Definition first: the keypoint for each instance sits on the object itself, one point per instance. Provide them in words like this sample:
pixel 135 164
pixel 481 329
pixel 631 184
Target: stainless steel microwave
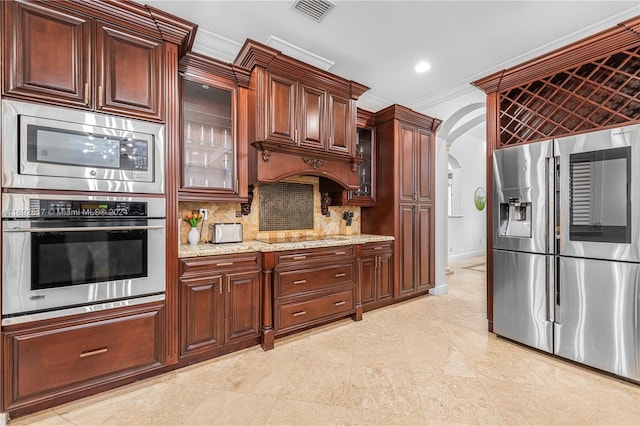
pixel 47 147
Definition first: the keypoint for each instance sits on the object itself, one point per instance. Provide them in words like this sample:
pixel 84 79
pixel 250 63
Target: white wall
pixel 467 233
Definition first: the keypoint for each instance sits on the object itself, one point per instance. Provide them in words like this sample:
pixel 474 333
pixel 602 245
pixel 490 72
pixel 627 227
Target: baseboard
pixel 467 255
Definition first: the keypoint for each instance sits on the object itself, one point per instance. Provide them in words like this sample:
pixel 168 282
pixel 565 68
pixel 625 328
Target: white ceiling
pixel 377 43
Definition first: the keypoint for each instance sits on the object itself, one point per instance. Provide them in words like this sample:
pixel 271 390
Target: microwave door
pixel 599 194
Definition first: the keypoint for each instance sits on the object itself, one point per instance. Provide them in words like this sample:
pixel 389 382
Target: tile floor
pixel 426 361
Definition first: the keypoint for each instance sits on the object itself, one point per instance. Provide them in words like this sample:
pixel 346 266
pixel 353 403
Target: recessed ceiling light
pixel 422 66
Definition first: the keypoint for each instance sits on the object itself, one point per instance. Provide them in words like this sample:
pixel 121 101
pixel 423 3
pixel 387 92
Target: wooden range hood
pixel 274 166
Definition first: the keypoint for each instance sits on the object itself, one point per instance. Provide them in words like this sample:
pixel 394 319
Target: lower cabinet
pixel 376 274
pixel 313 286
pixel 49 362
pixel 219 302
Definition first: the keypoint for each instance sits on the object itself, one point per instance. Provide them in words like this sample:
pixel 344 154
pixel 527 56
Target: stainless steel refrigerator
pixel 566 247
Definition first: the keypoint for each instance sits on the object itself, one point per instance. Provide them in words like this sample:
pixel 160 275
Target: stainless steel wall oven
pixel 69 253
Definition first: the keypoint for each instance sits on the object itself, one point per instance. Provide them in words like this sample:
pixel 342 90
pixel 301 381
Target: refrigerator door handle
pixel 556 290
pixel 550 288
pixel 550 195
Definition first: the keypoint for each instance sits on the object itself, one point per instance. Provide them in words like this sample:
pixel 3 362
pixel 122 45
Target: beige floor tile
pixel 383 389
pixel 231 408
pixel 455 399
pixel 320 382
pixel 258 372
pixel 381 354
pixel 357 416
pixel 44 418
pixel 522 403
pixel 206 374
pixel 287 412
pixel 160 403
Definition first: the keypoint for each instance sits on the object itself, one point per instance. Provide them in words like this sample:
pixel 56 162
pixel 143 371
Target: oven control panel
pixel 93 208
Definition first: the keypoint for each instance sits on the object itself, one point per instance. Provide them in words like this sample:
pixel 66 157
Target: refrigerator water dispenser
pixel 515 218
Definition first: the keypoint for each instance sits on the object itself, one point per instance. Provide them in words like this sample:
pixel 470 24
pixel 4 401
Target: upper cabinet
pixel 67 53
pixel 214 146
pixel 298 109
pixel 416 149
pixel 129 73
pixel 366 150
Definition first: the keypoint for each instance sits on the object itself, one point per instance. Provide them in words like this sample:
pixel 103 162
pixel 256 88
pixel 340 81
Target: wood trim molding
pixel 254 54
pixel 173 106
pixel 399 112
pixel 146 19
pixel 621 37
pixel 197 63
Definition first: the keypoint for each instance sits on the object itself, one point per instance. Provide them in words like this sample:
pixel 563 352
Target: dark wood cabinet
pixel 299 109
pixel 281 123
pixel 219 302
pixel 405 164
pixel 312 112
pixel 47 54
pixel 213 139
pixel 313 286
pixel 302 116
pixel 53 359
pixel 416 164
pixel 415 222
pixel 54 54
pixel 340 119
pixel 129 69
pixel 376 274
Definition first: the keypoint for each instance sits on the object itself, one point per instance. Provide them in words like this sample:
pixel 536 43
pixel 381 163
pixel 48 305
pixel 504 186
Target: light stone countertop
pixel 207 249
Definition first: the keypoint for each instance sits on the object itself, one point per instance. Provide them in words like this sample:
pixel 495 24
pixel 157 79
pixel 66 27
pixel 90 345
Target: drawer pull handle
pixel 341 274
pixel 225 264
pixel 340 303
pixel 378 248
pixel 340 252
pixel 297 314
pixel 299 257
pixel 299 282
pixel 93 352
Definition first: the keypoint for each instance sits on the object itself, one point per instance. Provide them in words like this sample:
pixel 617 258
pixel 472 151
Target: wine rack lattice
pixel 601 93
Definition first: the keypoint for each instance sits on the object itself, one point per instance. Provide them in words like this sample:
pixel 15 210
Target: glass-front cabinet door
pixel 209 155
pixel 365 148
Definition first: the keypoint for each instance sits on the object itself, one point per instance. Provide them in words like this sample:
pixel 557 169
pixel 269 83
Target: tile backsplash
pixel 226 212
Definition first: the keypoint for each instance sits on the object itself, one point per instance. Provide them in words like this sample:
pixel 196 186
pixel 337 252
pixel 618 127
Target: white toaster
pixel 225 232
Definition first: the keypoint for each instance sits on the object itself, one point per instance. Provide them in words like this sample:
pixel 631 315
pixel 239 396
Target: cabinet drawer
pixel 298 313
pixel 370 249
pixel 305 280
pixel 332 254
pixel 208 264
pixel 48 360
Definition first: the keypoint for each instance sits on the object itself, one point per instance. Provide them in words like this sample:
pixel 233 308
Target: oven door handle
pixel 84 228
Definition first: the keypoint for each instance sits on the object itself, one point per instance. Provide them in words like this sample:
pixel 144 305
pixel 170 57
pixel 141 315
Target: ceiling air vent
pixel 314 9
